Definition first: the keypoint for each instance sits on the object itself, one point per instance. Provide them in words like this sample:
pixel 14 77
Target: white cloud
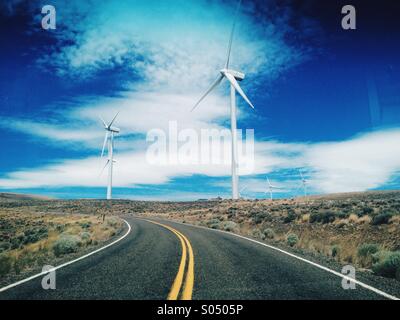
pixel 173 50
pixel 364 162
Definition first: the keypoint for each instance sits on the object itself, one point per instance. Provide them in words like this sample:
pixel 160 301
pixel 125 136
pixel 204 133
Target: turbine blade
pixel 104 123
pixel 112 121
pixel 102 170
pixel 216 83
pixel 104 144
pixel 232 33
pixel 235 84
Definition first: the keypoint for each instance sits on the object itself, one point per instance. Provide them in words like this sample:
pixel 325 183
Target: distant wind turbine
pixel 303 183
pixel 109 140
pixel 232 76
pixel 270 188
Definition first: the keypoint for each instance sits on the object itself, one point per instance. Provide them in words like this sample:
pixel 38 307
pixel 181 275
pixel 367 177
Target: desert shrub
pixel 291 216
pixel 260 217
pixel 5 264
pixel 315 217
pixel 365 253
pixel 213 223
pixel 380 256
pixel 258 234
pixel 85 225
pixel 113 221
pixel 232 210
pixel 60 227
pixel 388 265
pixel 23 260
pixel 365 211
pixel 335 251
pixel 84 235
pixel 66 244
pixel 383 218
pixel 342 215
pixel 323 217
pixel 229 226
pixel 34 235
pixel 269 233
pixel 292 239
pixel 15 243
pixel 367 249
pixel 4 246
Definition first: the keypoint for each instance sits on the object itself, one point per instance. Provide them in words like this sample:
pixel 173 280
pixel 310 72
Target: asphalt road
pixel 145 265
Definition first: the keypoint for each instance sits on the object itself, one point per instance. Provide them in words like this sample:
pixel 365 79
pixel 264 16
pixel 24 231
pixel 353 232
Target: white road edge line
pixel 362 284
pixel 67 263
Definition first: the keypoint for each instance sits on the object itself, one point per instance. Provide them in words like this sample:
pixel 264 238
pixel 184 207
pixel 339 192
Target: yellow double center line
pixel 187 291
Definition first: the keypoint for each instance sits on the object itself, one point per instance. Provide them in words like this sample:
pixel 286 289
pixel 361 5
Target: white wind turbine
pixel 233 77
pixel 303 183
pixel 109 140
pixel 270 188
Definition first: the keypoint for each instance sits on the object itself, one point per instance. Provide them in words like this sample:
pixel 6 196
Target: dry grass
pixel 28 239
pixel 333 225
pixel 395 220
pixel 305 218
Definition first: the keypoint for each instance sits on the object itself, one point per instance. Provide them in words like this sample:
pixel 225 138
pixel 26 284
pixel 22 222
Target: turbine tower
pixel 109 140
pixel 270 188
pixel 233 77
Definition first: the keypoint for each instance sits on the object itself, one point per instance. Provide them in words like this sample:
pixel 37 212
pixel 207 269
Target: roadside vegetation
pixel 30 239
pixel 362 229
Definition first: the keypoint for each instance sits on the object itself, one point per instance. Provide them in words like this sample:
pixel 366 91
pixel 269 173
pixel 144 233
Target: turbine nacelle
pixel 113 129
pixel 239 76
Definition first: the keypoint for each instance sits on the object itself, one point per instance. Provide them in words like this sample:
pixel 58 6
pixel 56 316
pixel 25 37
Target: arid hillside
pixel 362 229
pixel 32 236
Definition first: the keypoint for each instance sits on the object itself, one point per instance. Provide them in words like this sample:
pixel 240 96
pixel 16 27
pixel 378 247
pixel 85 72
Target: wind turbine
pixel 303 183
pixel 270 188
pixel 233 77
pixel 109 140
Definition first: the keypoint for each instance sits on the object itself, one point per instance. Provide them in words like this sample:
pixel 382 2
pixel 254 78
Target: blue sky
pixel 313 84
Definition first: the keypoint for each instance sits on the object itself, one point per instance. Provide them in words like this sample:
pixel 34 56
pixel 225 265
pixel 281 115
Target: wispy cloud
pixel 364 162
pixel 368 161
pixel 174 43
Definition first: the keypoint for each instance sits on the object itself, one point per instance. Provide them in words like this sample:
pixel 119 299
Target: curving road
pixel 149 264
